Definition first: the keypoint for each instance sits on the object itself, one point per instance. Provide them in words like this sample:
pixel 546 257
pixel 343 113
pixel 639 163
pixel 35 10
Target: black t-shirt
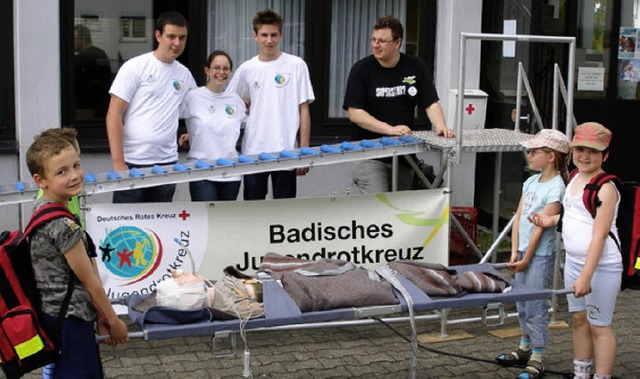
pixel 389 94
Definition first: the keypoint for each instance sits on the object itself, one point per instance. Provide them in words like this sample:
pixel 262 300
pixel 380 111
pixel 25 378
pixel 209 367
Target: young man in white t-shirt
pixel 278 89
pixel 142 120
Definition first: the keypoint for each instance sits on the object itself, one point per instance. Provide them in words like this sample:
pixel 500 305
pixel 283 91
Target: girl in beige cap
pixel 533 248
pixel 593 264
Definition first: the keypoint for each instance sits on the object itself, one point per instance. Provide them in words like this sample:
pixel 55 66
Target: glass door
pixel 607 74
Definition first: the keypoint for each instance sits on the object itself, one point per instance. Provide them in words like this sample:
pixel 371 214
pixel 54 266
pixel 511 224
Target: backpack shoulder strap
pixel 591 189
pixel 44 214
pixel 590 196
pixel 573 173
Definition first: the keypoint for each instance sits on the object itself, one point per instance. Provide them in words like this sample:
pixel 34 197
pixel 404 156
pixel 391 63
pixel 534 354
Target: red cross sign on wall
pixel 470 108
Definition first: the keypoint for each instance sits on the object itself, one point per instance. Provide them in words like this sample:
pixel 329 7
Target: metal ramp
pixel 111 181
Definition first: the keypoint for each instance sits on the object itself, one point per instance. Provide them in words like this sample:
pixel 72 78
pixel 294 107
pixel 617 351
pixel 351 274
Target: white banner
pixel 140 244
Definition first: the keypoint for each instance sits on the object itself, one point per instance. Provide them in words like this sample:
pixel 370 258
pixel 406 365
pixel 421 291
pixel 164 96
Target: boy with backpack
pixel 61 254
pixel 593 266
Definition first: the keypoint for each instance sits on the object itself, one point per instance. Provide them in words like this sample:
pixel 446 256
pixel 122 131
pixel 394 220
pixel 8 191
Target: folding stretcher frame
pixel 282 313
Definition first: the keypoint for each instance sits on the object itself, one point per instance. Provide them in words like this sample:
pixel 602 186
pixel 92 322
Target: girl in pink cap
pixel 593 264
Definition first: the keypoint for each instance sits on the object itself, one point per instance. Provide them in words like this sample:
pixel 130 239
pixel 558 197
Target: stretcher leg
pixel 444 316
pixel 220 339
pixel 487 314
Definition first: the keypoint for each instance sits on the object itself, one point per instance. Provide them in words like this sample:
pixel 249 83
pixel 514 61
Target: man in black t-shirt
pixel 382 93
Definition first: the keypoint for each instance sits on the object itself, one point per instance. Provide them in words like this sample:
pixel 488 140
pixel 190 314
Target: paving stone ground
pixel 367 351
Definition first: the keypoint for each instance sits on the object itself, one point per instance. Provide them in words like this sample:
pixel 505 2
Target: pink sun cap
pixel 593 135
pixel 549 138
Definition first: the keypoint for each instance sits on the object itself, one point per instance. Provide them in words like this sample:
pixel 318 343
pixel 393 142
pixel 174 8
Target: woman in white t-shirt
pixel 213 116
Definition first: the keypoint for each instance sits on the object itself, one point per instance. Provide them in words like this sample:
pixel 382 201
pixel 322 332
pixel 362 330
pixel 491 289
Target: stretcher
pixel 282 313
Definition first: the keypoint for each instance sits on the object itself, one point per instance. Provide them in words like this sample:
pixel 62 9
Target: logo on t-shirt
pixel 177 85
pixel 281 79
pixel 391 91
pixel 409 79
pixel 230 111
pixel 72 224
pixel 412 91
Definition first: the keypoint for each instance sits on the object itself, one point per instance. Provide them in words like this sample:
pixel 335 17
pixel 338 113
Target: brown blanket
pixel 438 280
pixel 321 285
pixel 277 265
pixel 432 279
pixel 475 281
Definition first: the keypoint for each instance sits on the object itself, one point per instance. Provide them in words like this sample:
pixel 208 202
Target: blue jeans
pixel 207 190
pixel 534 314
pixel 159 194
pixel 80 354
pixel 283 184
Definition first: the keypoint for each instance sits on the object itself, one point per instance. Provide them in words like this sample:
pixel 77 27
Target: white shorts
pixel 605 287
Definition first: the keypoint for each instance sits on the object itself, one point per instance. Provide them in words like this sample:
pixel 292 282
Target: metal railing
pixel 464 37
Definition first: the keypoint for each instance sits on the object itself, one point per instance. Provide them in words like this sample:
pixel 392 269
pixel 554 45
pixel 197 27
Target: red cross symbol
pixel 470 108
pixel 184 215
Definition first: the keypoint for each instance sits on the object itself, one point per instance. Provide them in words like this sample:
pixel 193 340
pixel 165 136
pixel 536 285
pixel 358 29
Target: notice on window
pixel 630 71
pixel 627 43
pixel 590 78
pixel 510 27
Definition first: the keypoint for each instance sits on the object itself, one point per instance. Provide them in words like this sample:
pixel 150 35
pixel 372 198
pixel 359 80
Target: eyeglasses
pixel 219 68
pixel 375 41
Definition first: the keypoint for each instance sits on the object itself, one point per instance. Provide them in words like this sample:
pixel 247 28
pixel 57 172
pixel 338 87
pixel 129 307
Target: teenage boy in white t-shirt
pixel 142 120
pixel 277 87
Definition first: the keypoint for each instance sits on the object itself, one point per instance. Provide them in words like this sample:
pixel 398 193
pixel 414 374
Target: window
pixel 329 35
pixel 628 51
pixel 231 30
pixel 120 29
pixel 133 29
pixel 97 38
pixel 351 25
pixel 593 48
pixel 607 54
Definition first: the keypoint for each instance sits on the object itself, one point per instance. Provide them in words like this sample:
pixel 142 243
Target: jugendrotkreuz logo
pixel 229 110
pixel 177 85
pixel 130 253
pixel 281 79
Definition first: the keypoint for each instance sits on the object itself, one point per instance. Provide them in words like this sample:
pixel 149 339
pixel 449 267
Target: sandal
pixel 534 370
pixel 515 358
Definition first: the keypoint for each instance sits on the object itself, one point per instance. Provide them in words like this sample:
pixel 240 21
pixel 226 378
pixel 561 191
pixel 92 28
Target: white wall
pixel 37 80
pixel 454 17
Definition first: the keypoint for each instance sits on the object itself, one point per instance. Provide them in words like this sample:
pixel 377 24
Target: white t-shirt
pixel 154 91
pixel 577 230
pixel 276 90
pixel 213 122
